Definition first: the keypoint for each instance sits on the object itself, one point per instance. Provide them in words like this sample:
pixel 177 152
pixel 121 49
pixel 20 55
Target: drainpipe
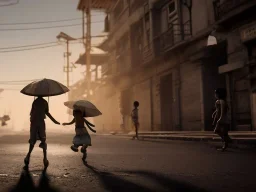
pixel 178 97
pixel 151 104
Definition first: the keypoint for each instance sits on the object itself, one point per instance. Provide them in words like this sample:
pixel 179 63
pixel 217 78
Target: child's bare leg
pixel 136 127
pixel 31 147
pixel 44 147
pixel 84 151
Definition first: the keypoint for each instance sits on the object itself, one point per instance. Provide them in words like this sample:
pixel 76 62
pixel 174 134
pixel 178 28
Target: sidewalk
pixel 237 137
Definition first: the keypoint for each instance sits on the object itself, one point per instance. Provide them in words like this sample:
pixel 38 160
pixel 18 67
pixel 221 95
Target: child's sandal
pixel 74 148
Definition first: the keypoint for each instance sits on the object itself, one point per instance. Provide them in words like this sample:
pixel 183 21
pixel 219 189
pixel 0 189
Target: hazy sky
pixel 41 63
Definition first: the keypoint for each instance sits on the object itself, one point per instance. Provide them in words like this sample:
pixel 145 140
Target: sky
pixel 40 63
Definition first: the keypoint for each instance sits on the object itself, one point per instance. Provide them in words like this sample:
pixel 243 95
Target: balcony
pixel 230 8
pixel 174 35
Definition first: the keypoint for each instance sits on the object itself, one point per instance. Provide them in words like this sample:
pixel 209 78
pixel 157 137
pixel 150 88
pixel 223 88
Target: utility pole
pixel 67 38
pixel 88 46
pixel 67 69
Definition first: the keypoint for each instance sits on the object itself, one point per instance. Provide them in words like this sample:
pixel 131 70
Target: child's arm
pixel 48 113
pixel 52 118
pixel 70 123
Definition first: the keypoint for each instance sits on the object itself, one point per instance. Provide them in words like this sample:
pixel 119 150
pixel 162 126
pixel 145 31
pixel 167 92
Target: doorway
pixel 166 97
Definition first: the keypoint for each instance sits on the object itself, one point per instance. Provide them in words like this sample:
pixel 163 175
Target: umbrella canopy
pixel 44 88
pixel 87 107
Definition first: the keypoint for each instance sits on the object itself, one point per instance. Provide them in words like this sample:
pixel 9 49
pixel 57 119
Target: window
pixel 169 15
pixel 172 10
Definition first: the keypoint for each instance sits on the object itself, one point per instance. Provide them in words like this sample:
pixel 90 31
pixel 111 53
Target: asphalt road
pixel 120 164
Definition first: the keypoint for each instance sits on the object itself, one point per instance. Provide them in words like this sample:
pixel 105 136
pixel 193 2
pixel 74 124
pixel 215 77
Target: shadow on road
pixel 114 183
pixel 26 183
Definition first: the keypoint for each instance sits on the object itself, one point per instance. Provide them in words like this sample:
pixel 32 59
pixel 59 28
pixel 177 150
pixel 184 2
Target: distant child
pixel 82 137
pixel 135 118
pixel 220 117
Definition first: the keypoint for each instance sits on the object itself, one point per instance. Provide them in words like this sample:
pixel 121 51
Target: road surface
pixel 120 164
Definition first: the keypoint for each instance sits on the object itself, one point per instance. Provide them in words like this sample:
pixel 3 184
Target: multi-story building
pixel 159 54
pixel 236 22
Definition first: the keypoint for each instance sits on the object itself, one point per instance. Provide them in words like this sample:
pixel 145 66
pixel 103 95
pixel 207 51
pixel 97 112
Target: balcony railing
pixel 222 9
pixel 174 35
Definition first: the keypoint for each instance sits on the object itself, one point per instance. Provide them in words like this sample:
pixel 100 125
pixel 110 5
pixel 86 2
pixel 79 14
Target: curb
pixel 243 141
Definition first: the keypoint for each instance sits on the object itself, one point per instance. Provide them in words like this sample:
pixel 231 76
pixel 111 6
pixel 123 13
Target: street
pixel 117 163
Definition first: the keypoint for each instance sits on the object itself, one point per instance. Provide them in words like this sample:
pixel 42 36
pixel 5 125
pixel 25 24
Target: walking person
pixel 37 128
pixel 135 118
pixel 220 117
pixel 82 137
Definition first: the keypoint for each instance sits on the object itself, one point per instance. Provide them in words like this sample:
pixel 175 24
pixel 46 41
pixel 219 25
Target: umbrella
pixel 44 88
pixel 84 106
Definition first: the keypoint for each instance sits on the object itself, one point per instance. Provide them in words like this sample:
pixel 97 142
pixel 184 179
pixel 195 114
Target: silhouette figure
pixel 220 117
pixel 135 118
pixel 82 137
pixel 37 128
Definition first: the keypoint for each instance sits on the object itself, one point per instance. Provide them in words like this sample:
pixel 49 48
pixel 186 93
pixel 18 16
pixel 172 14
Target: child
pixel 38 113
pixel 82 137
pixel 220 117
pixel 135 118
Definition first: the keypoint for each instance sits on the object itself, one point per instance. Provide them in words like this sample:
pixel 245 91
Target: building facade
pixel 237 28
pixel 160 55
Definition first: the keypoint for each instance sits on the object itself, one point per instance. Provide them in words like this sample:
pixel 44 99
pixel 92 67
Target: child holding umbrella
pixel 82 109
pixel 40 109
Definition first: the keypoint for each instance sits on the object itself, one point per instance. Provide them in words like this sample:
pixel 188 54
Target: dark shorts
pixel 37 132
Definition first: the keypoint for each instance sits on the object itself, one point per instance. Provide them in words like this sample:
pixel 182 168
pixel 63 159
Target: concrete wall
pixel 142 94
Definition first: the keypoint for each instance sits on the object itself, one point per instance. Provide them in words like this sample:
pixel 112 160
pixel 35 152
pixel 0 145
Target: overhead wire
pixel 47 45
pixel 31 45
pixel 49 21
pixel 48 27
pixel 34 48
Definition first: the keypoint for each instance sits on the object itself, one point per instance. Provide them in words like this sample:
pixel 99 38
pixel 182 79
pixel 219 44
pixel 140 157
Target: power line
pixel 49 27
pixel 10 51
pixel 41 22
pixel 31 45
